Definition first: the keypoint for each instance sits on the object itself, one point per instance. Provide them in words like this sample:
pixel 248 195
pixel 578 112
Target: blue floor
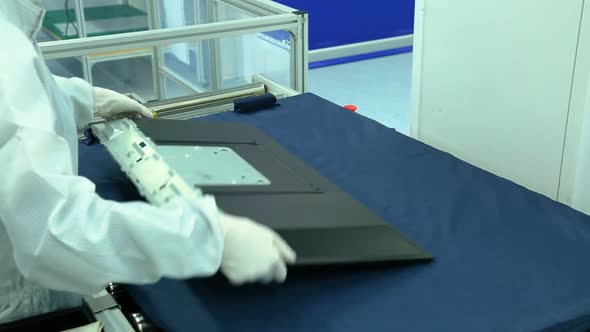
pixel 380 88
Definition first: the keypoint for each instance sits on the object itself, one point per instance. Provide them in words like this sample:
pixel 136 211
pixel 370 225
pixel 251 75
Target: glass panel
pixel 105 17
pixel 173 89
pixel 228 12
pixel 181 69
pixel 128 75
pixel 177 13
pixel 67 67
pixel 244 56
pixel 132 75
pixel 189 64
pixel 228 62
pixel 101 17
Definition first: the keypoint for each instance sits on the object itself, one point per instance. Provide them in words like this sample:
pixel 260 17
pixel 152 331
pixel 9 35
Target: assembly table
pixel 506 258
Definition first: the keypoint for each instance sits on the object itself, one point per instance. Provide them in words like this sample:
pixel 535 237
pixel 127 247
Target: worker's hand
pixel 253 252
pixel 112 105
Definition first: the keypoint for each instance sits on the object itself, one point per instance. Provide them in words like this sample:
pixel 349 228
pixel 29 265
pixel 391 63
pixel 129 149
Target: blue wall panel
pixel 333 23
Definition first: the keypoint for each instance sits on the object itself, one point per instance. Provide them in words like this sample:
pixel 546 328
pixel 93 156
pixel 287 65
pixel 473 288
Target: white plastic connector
pixel 137 155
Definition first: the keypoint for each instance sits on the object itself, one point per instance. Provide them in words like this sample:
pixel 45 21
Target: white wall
pixel 581 197
pixel 492 83
pixel 573 154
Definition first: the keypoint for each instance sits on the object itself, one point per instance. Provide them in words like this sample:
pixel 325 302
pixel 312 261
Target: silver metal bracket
pixel 102 303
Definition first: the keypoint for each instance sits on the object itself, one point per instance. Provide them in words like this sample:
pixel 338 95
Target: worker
pixel 60 240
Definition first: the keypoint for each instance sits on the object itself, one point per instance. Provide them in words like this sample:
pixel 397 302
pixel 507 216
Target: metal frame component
pixel 140 322
pixel 269 6
pixel 299 53
pixel 199 49
pixel 275 88
pixel 253 7
pixel 360 48
pixel 102 303
pixel 111 318
pixel 216 77
pixel 202 104
pixel 80 18
pixel 153 13
pixel 199 112
pixel 277 17
pixel 114 289
pixel 68 48
pixel 187 107
pixel 304 51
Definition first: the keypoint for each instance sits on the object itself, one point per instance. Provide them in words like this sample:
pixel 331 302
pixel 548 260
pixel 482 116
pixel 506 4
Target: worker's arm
pixel 88 102
pixel 80 96
pixel 65 236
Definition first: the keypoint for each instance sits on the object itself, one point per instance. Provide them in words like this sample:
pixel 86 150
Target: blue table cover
pixel 507 259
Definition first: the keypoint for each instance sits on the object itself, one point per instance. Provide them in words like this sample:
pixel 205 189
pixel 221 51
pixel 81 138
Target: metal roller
pixel 183 108
pixel 140 323
pixel 172 108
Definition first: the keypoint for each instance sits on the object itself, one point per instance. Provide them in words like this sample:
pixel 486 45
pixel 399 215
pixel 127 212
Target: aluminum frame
pixel 275 88
pixel 342 51
pixel 271 6
pixel 256 7
pixel 80 17
pixel 154 23
pixel 216 79
pixel 278 17
pixel 112 319
pixel 198 105
pixel 300 52
pixel 142 39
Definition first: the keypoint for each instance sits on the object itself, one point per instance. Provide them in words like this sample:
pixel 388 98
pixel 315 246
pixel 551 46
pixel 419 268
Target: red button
pixel 351 108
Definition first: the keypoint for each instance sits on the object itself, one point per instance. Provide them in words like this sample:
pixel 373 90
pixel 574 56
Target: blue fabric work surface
pixel 507 259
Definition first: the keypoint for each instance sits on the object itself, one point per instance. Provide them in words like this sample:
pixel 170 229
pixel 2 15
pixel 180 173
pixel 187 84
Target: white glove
pixel 112 105
pixel 253 252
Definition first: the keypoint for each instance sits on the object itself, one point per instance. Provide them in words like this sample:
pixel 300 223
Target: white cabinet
pixel 502 85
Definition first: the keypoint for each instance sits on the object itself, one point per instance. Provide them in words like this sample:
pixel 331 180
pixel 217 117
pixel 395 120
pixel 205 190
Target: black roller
pixel 255 103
